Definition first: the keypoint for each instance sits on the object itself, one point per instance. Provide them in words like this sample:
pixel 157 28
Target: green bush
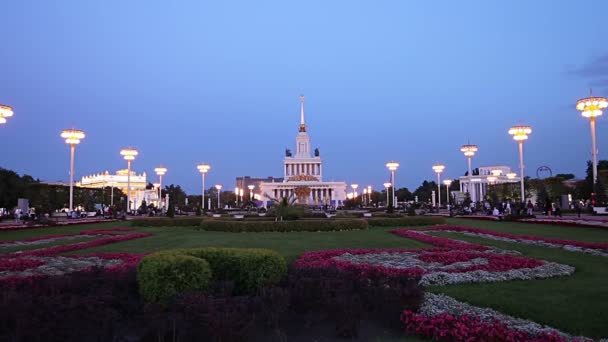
pixel 249 268
pixel 324 225
pixel 405 221
pixel 163 275
pixel 167 222
pixel 167 273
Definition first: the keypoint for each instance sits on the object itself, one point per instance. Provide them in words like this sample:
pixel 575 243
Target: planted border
pixel 406 221
pixel 283 226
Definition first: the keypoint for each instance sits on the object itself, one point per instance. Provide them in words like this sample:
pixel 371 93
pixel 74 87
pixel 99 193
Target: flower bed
pixel 29 265
pixel 70 222
pixel 574 222
pixel 442 318
pixel 595 248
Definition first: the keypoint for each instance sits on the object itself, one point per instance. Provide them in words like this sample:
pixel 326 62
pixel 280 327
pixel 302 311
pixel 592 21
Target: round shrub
pixel 164 275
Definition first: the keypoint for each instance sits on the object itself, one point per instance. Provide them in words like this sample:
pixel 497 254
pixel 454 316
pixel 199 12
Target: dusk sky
pixel 191 81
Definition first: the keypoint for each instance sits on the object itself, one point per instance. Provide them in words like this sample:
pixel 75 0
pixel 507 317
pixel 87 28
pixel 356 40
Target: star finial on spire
pixel 302 121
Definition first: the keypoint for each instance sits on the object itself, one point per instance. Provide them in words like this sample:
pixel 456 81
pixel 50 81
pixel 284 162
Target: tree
pixel 565 176
pixel 404 195
pixel 425 191
pixel 177 196
pixel 171 210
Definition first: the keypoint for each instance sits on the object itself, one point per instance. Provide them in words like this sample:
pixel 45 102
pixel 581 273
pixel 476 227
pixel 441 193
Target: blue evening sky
pixel 191 81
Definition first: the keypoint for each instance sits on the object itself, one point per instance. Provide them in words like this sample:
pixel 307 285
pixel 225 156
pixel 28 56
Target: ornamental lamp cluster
pixel 129 153
pixel 468 150
pixel 5 112
pixel 591 106
pixel 72 136
pixel 520 133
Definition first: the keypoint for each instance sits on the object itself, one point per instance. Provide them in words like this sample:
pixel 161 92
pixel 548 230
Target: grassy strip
pixel 30 233
pixel 50 244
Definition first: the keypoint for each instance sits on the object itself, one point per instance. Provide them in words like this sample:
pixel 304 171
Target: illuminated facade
pixel 119 180
pixel 303 175
pixel 477 185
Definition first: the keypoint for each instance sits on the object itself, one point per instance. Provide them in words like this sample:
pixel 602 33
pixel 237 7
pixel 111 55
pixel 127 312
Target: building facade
pixel 477 185
pixel 138 194
pixel 303 175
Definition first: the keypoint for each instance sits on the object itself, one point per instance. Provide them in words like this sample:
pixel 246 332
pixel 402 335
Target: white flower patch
pixel 60 265
pixel 49 240
pixel 435 304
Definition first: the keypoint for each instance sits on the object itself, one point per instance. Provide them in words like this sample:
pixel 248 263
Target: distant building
pixel 119 180
pixel 246 181
pixel 477 185
pixel 303 175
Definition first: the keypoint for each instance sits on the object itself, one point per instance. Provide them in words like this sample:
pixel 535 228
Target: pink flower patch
pixel 20 264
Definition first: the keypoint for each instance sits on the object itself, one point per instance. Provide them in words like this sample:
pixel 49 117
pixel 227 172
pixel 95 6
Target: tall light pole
pixel 520 133
pixel 386 186
pixel 5 112
pixel 129 155
pixel 112 193
pixel 438 168
pixel 447 183
pixel 354 186
pixel 591 107
pixel 236 196
pixel 365 196
pixel 160 171
pixel 218 187
pixel 369 194
pixel 203 168
pixel 72 137
pixel 393 166
pixel 469 151
pixel 251 187
pixel 241 191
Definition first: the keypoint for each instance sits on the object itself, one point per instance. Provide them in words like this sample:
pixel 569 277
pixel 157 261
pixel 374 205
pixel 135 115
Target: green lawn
pixel 576 304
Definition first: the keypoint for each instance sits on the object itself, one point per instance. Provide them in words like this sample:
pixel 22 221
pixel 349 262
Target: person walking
pixel 530 207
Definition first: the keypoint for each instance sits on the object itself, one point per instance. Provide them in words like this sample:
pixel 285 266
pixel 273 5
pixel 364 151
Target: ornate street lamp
pixel 160 171
pixel 591 107
pixel 236 196
pixel 218 187
pixel 369 194
pixel 354 186
pixel 520 133
pixel 72 137
pixel 386 186
pixel 129 155
pixel 251 187
pixel 203 169
pixel 469 151
pixel 241 191
pixel 438 168
pixel 447 183
pixel 5 112
pixel 392 166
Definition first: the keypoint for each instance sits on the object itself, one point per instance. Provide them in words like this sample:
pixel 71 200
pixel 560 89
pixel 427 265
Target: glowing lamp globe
pixel 6 111
pixel 447 182
pixel 468 150
pixel 591 107
pixel 251 187
pixel 218 187
pixel 511 175
pixel 392 165
pixel 387 185
pixel 160 171
pixel 520 133
pixel 438 168
pixel 203 168
pixel 72 136
pixel 129 153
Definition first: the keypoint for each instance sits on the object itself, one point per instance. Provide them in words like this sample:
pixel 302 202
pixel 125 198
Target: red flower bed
pixel 21 264
pixel 591 245
pixel 496 262
pixel 102 231
pixel 438 241
pixel 445 327
pixel 325 259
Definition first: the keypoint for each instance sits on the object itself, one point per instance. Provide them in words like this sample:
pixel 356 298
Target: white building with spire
pixel 303 175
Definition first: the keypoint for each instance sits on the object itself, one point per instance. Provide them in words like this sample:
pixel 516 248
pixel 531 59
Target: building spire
pixel 302 122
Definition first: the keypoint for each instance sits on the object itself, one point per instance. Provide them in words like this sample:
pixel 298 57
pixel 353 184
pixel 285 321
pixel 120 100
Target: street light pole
pixel 72 137
pixel 386 186
pixel 251 187
pixel 392 166
pixel 469 151
pixel 129 154
pixel 218 187
pixel 160 171
pixel 520 133
pixel 447 183
pixel 203 169
pixel 438 168
pixel 591 107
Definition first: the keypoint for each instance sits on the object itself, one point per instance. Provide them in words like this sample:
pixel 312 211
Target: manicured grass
pixel 290 245
pixel 544 230
pixel 50 244
pixel 577 304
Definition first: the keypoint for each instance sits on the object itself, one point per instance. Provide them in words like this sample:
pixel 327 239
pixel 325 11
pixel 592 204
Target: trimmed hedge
pixel 167 222
pixel 325 225
pixel 405 221
pixel 164 275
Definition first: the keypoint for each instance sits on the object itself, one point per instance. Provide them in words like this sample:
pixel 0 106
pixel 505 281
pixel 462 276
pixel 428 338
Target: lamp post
pixel 438 168
pixel 218 187
pixel 72 137
pixel 365 195
pixel 5 112
pixel 241 191
pixel 520 133
pixel 469 151
pixel 386 186
pixel 129 155
pixel 112 193
pixel 236 196
pixel 251 187
pixel 393 166
pixel 369 194
pixel 447 183
pixel 203 169
pixel 591 107
pixel 160 171
pixel 354 186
